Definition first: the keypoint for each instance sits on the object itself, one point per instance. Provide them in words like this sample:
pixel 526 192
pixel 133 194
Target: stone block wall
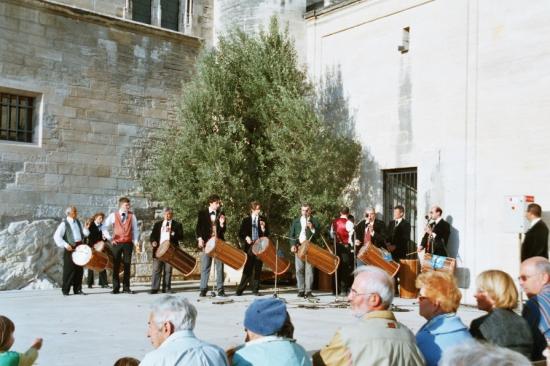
pixel 103 85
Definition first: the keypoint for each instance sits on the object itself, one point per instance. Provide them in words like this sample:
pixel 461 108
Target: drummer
pixel 210 223
pixel 163 230
pixel 304 228
pixel 252 227
pixel 68 235
pixel 370 230
pixel 341 230
pixel 95 236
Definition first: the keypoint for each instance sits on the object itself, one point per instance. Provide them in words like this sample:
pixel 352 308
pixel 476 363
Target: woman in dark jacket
pixel 96 235
pixel 497 295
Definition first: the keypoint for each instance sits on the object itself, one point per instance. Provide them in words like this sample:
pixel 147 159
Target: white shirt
pixel 398 221
pixel 60 233
pixel 108 224
pixel 303 223
pixel 165 231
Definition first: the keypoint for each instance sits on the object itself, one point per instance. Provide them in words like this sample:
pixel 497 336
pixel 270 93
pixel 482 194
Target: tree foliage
pixel 251 127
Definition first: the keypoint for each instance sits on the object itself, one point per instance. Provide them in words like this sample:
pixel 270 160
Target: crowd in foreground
pixel 501 337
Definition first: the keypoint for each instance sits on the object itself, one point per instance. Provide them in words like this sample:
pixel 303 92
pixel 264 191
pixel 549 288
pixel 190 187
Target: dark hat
pixel 265 316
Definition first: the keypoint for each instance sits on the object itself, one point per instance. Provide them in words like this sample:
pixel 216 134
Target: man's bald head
pixel 534 275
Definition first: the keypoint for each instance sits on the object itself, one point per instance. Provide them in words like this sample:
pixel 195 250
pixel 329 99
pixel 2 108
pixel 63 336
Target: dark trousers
pixel 122 252
pixel 251 273
pixel 158 268
pixel 72 274
pixel 102 278
pixel 345 268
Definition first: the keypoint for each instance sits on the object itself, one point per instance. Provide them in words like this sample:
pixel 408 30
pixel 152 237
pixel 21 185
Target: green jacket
pixel 296 229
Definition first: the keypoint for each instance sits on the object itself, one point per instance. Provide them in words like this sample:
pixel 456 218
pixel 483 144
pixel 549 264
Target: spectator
pixel 377 338
pixel 269 333
pixel 127 361
pixel 534 278
pixel 497 295
pixel 438 301
pixel 171 323
pixel 11 358
pixel 482 354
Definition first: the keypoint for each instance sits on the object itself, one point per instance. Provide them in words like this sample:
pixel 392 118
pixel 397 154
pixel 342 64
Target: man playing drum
pixel 68 235
pixel 342 229
pixel 370 230
pixel 304 228
pixel 125 237
pixel 210 223
pixel 252 227
pixel 166 229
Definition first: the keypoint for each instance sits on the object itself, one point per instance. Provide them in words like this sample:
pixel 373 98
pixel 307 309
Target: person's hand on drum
pixel 201 243
pixel 154 244
pixel 262 225
pixel 357 242
pixel 294 248
pixel 69 247
pixel 248 240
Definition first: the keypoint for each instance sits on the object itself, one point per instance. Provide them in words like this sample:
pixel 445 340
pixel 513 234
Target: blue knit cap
pixel 265 316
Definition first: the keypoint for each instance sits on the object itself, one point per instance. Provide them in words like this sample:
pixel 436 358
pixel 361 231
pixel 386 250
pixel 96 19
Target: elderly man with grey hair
pixel 482 354
pixel 69 234
pixel 171 323
pixel 170 230
pixel 376 338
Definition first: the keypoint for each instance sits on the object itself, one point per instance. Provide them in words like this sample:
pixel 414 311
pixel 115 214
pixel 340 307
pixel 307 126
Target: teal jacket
pixel 296 228
pixel 271 351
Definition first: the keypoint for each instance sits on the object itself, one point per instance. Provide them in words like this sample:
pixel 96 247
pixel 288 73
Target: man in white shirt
pixel 125 237
pixel 171 323
pixel 68 235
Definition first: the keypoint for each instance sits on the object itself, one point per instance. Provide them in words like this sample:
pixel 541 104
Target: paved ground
pixel 100 328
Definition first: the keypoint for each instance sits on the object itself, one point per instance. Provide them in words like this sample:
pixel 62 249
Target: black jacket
pixel 246 230
pixel 442 232
pixel 535 242
pixel 176 233
pixel 379 237
pixel 399 236
pixel 204 225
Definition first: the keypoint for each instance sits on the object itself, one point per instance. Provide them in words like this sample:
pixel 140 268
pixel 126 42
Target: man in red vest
pixel 342 229
pixel 125 237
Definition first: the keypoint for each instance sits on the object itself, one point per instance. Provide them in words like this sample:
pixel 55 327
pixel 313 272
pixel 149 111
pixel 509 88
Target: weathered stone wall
pixel 103 86
pixel 110 7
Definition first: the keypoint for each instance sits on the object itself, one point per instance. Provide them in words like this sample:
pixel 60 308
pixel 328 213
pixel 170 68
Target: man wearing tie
pixel 305 227
pixel 252 227
pixel 68 235
pixel 210 223
pixel 164 230
pixel 399 234
pixel 436 234
pixel 125 237
pixel 370 230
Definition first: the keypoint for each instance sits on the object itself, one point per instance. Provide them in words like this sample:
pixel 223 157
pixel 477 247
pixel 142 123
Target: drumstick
pixel 322 237
pixel 411 253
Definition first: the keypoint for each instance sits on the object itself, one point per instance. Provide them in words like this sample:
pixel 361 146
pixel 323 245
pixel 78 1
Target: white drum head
pixel 210 245
pixel 82 255
pixel 260 245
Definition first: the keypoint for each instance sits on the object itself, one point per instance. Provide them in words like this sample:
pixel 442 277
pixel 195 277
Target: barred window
pixel 16 117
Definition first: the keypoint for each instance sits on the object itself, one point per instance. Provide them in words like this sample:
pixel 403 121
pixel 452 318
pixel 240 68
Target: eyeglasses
pixel 355 293
pixel 525 277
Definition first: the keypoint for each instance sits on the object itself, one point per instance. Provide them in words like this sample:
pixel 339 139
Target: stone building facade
pixel 99 86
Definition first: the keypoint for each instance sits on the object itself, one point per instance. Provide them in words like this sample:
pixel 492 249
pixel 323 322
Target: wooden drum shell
pixel 227 254
pixel 177 258
pixel 318 257
pixel 267 254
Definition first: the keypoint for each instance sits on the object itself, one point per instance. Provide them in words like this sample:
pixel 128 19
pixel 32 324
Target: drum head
pixel 163 248
pixel 82 255
pixel 210 245
pixel 260 245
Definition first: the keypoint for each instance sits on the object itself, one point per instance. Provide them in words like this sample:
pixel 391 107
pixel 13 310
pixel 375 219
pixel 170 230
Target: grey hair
pixel 167 209
pixel 379 283
pixel 176 310
pixel 541 265
pixel 482 354
pixel 68 210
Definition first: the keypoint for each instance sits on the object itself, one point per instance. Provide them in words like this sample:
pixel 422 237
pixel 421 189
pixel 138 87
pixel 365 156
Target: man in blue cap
pixel 269 333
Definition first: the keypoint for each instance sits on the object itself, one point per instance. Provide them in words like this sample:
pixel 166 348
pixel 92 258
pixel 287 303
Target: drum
pixel 87 257
pixel 434 262
pixel 227 254
pixel 177 258
pixel 370 254
pixel 408 271
pixel 264 249
pixel 318 257
pixel 102 247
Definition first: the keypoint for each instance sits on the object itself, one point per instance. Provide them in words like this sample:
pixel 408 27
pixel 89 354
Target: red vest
pixel 123 231
pixel 339 227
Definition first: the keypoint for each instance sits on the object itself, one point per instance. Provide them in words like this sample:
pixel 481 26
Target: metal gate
pixel 400 189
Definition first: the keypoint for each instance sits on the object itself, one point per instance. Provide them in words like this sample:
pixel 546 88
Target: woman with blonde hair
pixel 438 301
pixel 497 295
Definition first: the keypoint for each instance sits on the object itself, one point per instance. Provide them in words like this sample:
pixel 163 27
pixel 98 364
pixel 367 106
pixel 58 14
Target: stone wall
pixel 103 86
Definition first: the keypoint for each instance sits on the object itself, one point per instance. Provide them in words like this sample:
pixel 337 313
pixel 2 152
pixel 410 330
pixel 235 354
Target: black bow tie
pixel 212 213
